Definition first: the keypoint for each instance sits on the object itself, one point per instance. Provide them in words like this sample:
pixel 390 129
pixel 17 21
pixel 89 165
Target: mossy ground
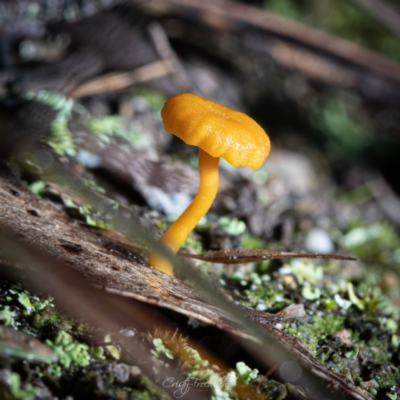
pixel 352 327
pixel 84 368
pixel 352 323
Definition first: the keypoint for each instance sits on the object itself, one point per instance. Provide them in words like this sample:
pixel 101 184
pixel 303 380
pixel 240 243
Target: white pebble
pixel 318 241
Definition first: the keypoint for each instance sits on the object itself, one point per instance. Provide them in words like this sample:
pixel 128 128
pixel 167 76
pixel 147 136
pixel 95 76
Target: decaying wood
pixel 53 232
pixel 48 275
pixel 39 224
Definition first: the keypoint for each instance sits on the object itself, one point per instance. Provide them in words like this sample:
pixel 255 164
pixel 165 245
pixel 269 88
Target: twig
pixel 310 64
pixel 164 49
pixel 120 80
pixel 240 256
pixel 241 17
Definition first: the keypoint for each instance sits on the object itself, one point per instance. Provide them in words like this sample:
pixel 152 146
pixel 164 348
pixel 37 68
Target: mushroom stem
pixel 180 229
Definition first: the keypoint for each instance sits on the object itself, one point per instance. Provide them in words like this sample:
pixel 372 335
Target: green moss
pixel 305 271
pixel 60 137
pixel 310 292
pixel 333 304
pixel 159 348
pixel 343 121
pixel 252 242
pixel 101 217
pixel 37 187
pixel 114 125
pixel 194 242
pixel 98 353
pixel 245 373
pixel 257 291
pixel 232 226
pixel 340 18
pixel 7 316
pixel 42 314
pixel 69 350
pixel 30 305
pixel 370 299
pixel 154 99
pixel 11 389
pixel 288 9
pixel 320 326
pixel 24 300
pixel 76 360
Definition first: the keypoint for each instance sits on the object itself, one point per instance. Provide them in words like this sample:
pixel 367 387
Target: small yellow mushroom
pixel 218 131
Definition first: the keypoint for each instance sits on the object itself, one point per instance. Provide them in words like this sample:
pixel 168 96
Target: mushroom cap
pixel 218 130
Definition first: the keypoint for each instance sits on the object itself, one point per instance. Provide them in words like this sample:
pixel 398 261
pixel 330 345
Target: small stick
pixel 240 256
pixel 120 80
pixel 165 51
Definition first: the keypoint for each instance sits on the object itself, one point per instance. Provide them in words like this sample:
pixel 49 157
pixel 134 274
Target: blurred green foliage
pixel 344 122
pixel 377 243
pixel 342 18
pixel 114 125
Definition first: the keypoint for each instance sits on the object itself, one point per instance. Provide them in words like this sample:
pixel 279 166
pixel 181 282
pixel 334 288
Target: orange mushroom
pixel 218 131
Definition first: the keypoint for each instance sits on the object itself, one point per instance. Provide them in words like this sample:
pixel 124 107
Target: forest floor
pixel 83 315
